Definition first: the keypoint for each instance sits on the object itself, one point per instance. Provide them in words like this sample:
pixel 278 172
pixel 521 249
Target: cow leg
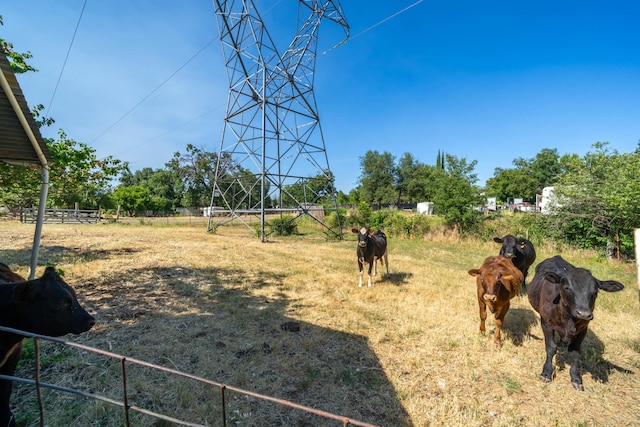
pixel 574 354
pixel 483 315
pixel 375 266
pixel 386 261
pixel 499 321
pixel 551 348
pixel 361 268
pixel 8 368
pixel 371 264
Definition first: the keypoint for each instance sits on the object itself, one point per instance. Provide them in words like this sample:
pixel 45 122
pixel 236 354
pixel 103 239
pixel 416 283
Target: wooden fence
pixel 61 216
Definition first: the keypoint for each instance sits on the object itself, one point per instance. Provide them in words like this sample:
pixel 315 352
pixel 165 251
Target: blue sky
pixel 487 81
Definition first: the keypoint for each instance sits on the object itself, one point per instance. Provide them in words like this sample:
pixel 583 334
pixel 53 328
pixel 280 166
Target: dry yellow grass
pixel 404 352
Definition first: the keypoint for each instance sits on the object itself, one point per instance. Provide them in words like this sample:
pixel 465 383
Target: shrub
pixel 283 226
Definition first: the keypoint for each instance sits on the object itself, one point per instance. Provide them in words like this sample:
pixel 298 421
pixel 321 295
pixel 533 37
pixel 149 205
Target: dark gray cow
pixel 44 306
pixel 372 246
pixel 565 297
pixel 520 250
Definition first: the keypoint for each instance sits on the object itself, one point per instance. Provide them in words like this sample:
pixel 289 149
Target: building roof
pixel 19 134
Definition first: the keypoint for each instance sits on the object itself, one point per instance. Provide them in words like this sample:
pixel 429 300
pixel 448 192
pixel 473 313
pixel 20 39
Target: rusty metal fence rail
pixel 128 408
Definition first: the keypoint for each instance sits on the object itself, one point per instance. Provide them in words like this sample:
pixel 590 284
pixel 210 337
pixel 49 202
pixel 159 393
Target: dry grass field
pixel 405 352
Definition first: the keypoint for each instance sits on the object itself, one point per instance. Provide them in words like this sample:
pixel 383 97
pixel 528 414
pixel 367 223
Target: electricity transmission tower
pixel 272 158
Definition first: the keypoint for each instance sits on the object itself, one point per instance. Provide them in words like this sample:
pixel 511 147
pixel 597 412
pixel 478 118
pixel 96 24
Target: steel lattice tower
pixel 272 157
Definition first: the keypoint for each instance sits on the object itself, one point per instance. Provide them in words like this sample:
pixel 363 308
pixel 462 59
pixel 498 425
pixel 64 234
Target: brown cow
pixel 498 281
pixel 44 306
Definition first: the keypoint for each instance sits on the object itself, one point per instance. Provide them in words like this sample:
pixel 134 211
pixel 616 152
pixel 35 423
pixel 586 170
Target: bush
pixel 283 226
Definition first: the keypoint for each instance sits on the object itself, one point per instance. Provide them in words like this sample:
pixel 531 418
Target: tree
pixel 196 173
pixel 599 199
pixel 314 190
pixel 378 178
pixel 510 183
pixel 456 196
pixel 17 60
pixel 161 183
pixel 406 173
pixel 76 175
pixel 133 200
pixel 528 178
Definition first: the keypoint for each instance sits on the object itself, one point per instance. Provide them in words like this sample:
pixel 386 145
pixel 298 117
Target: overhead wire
pixel 202 49
pixel 366 30
pixel 154 90
pixel 55 90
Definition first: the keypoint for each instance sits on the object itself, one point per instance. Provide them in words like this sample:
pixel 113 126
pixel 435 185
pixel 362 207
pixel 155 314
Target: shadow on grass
pixel 518 324
pixel 232 326
pixel 398 279
pixel 593 362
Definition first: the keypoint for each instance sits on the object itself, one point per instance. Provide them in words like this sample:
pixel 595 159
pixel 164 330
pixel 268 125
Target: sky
pixel 486 81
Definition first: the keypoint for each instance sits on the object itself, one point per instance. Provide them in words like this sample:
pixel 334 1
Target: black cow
pixel 565 297
pixel 44 306
pixel 520 250
pixel 372 246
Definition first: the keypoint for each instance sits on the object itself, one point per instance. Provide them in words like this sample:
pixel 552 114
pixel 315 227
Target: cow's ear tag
pixel 522 245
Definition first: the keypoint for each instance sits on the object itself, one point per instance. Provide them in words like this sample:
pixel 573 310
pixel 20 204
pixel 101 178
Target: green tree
pixel 161 183
pixel 17 60
pixel 456 196
pixel 599 199
pixel 195 171
pixel 406 172
pixel 527 178
pixel 317 189
pixel 133 200
pixel 76 175
pixel 378 177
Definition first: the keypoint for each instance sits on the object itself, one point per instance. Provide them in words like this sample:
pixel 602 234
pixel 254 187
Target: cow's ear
pixel 610 285
pixel 51 272
pixel 353 230
pixel 474 272
pixel 497 239
pixel 26 292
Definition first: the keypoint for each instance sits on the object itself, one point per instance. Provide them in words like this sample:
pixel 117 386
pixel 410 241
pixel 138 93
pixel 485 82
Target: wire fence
pixel 128 408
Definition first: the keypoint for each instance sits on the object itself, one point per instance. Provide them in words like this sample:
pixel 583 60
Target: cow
pixel 44 306
pixel 498 281
pixel 565 297
pixel 520 250
pixel 372 246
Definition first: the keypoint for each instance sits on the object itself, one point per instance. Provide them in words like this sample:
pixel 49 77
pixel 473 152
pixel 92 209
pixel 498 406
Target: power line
pixel 169 131
pixel 154 90
pixel 66 57
pixel 377 24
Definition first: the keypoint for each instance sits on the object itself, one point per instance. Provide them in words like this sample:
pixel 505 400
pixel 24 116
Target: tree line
pixel 598 192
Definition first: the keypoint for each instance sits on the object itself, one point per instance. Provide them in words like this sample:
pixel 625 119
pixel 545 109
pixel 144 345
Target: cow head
pixel 511 245
pixel 49 306
pixel 497 275
pixel 578 291
pixel 363 235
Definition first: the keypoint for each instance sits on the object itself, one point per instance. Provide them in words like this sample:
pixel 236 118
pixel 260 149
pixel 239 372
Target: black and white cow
pixel 372 246
pixel 565 297
pixel 44 306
